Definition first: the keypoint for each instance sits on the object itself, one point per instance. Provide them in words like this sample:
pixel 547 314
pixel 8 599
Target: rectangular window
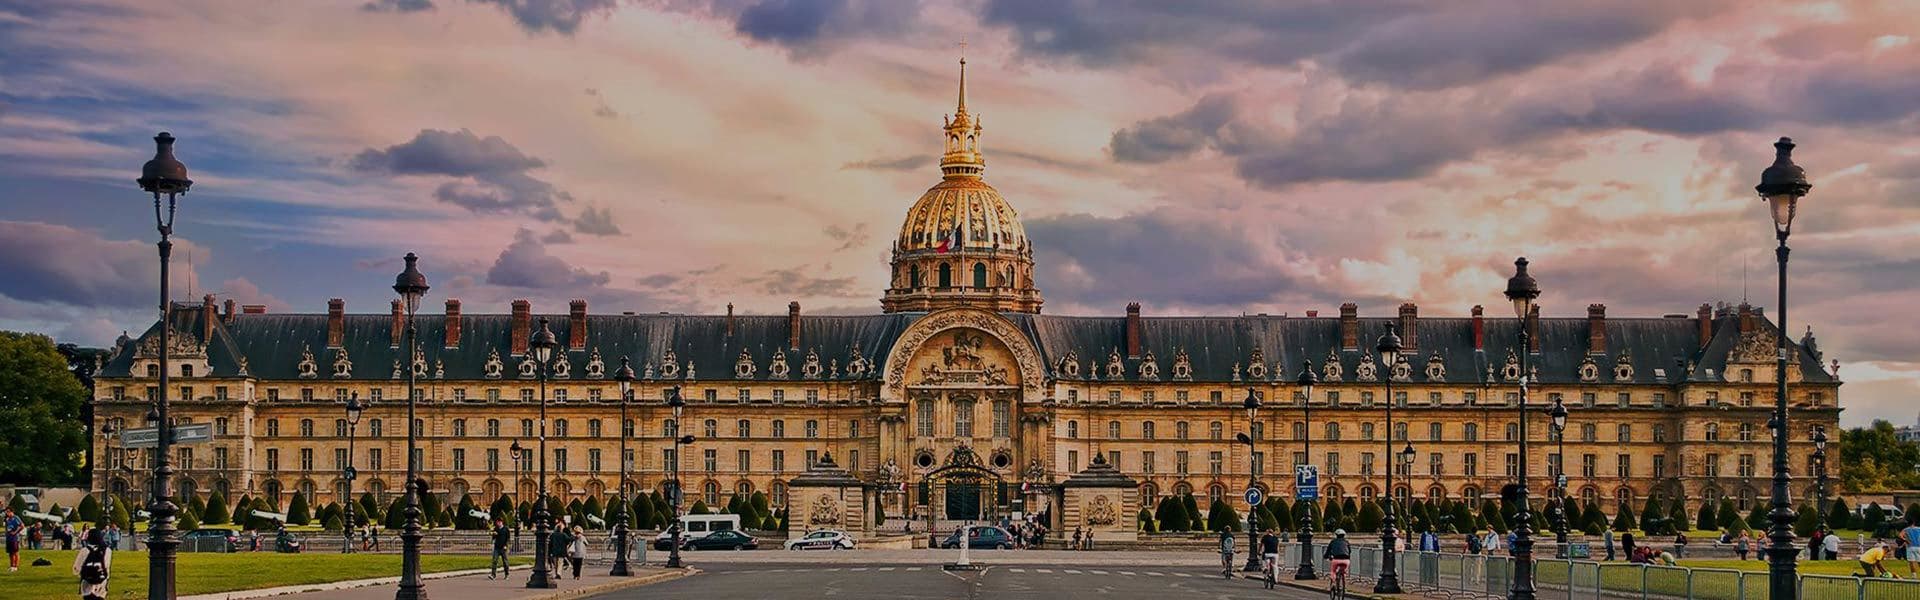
pixel 306 458
pixel 710 395
pixel 1366 463
pixel 1623 466
pixel 459 394
pixel 1215 431
pixel 1146 396
pixel 853 460
pixel 1513 398
pixel 710 460
pixel 593 460
pixel 219 458
pixel 1623 399
pixel 853 428
pixel 812 458
pixel 813 429
pixel 963 419
pixel 1746 465
pixel 1659 466
pixel 306 394
pixel 1746 398
pixel 219 392
pixel 273 394
pixel 1299 458
pixel 779 428
pixel 375 459
pixel 526 395
pixel 273 428
pixel 1470 464
pixel 1513 465
pixel 1073 461
pixel 1147 430
pixel 273 459
pixel 119 393
pixel 669 459
pixel 419 459
pixel 779 396
pixel 595 395
pixel 923 419
pixel 560 395
pixel 1333 398
pixel 1214 460
pixel 1470 432
pixel 1113 458
pixel 1333 464
pixel 1434 465
pixel 1433 432
pixel 1433 398
pixel 813 396
pixel 1659 433
pixel 1366 431
pixel 779 461
pixel 1180 462
pixel 560 459
pixel 306 428
pixel 1659 399
pixel 1073 396
pixel 1471 398
pixel 1589 465
pixel 1146 462
pixel 493 459
pixel 460 427
pixel 743 460
pixel 1713 465
pixel 459 459
pixel 1180 430
pixel 1624 432
pixel 340 458
pixel 1214 396
pixel 1400 399
pixel 1113 396
pixel 1259 464
pixel 493 394
pixel 1366 399
pixel 1002 417
pixel 1180 397
pixel 1713 399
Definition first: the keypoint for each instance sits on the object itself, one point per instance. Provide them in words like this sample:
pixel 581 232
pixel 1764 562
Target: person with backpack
pixel 92 564
pixel 557 543
pixel 502 537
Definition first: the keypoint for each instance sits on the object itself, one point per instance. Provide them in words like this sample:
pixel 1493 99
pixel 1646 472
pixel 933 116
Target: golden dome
pixel 966 211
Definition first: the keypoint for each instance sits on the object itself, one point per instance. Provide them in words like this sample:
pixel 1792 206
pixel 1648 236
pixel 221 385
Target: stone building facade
pixel 961 400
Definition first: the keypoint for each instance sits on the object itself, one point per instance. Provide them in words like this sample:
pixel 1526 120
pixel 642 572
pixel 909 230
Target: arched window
pixel 779 493
pixel 913 276
pixel 1624 495
pixel 1436 493
pixel 1365 491
pixel 1216 493
pixel 1470 493
pixel 711 490
pixel 744 489
pixel 1149 493
pixel 946 275
pixel 980 275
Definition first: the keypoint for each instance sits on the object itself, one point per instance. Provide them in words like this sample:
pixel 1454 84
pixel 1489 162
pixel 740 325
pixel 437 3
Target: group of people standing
pixel 91 564
pixel 566 547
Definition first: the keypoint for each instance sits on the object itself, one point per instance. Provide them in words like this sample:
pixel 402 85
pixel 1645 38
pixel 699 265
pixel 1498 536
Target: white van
pixel 693 527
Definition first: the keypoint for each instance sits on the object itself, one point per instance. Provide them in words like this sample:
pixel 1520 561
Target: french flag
pixel 949 241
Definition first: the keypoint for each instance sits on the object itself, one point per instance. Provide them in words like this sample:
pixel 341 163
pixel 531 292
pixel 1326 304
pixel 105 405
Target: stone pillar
pixel 1102 501
pixel 827 497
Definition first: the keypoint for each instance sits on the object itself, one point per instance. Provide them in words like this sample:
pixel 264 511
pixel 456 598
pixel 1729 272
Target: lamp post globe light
pixel 1558 416
pixel 678 405
pixel 411 284
pixel 620 567
pixel 1389 580
pixel 1522 290
pixel 1252 405
pixel 166 176
pixel 348 473
pixel 1781 185
pixel 1306 380
pixel 514 453
pixel 541 344
pixel 1819 480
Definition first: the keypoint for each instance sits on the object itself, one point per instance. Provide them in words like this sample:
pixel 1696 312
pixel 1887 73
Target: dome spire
pixel 962 109
pixel 962 157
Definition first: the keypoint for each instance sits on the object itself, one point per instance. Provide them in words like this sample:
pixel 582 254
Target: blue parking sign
pixel 1306 482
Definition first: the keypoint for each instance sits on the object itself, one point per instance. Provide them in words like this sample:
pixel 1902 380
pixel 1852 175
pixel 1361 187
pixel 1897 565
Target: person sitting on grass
pixel 1665 559
pixel 1872 561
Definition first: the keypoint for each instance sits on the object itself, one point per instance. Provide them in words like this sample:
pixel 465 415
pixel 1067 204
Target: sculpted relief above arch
pixel 962 346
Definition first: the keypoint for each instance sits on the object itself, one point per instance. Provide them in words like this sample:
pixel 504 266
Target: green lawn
pixel 203 573
pixel 1723 579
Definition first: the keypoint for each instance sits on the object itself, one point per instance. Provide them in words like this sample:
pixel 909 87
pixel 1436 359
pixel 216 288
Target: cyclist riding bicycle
pixel 1339 555
pixel 1226 553
pixel 1270 553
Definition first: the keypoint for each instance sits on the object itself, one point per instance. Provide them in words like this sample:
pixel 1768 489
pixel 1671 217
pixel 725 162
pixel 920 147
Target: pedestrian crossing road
pixel 923 581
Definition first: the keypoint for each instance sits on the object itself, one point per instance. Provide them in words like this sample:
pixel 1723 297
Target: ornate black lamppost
pixel 107 466
pixel 1820 480
pixel 348 473
pixel 1252 404
pixel 1389 580
pixel 625 377
pixel 164 175
pixel 1522 290
pixel 411 284
pixel 1306 381
pixel 541 344
pixel 1558 414
pixel 1782 185
pixel 680 442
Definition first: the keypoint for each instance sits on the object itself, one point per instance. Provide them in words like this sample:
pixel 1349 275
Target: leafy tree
pixel 198 506
pixel 1594 520
pixel 1370 516
pixel 1709 518
pixel 463 515
pixel 1873 459
pixel 1490 513
pixel 216 513
pixel 1803 524
pixel 1192 512
pixel 1757 517
pixel 370 508
pixel 783 519
pixel 1332 517
pixel 1221 517
pixel 700 508
pixel 1265 517
pixel 1677 516
pixel 1839 516
pixel 333 523
pixel 1146 521
pixel 445 518
pixel 121 517
pixel 644 516
pixel 1623 520
pixel 1729 518
pixel 1349 508
pixel 1872 517
pixel 298 513
pixel 1463 518
pixel 396 514
pixel 1652 519
pixel 89 509
pixel 430 506
pixel 1169 515
pixel 1573 516
pixel 187 522
pixel 592 508
pixel 733 505
pixel 40 412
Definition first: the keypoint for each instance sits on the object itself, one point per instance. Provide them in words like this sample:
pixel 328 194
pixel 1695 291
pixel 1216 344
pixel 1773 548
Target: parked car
pixel 210 539
pixel 825 539
pixel 722 540
pixel 693 527
pixel 980 537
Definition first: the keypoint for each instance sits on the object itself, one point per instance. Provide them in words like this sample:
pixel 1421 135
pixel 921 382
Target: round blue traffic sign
pixel 1254 496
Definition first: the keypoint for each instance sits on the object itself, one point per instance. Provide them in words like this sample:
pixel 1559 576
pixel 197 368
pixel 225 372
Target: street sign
pixel 1306 482
pixel 40 516
pixel 352 473
pixel 1254 496
pixel 281 517
pixel 182 434
pixel 479 514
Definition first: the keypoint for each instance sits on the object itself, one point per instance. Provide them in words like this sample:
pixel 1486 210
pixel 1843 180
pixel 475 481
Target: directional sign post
pixel 183 434
pixel 1254 496
pixel 1306 482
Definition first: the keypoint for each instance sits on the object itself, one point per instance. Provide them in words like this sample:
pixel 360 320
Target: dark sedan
pixel 722 540
pixel 210 539
pixel 980 537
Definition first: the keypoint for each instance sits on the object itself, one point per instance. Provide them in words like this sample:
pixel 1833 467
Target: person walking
pixel 1911 536
pixel 577 550
pixel 33 537
pixel 113 535
pixel 1606 541
pixel 557 543
pixel 1472 563
pixel 1740 545
pixel 15 529
pixel 1680 545
pixel 1830 545
pixel 92 564
pixel 1626 544
pixel 502 538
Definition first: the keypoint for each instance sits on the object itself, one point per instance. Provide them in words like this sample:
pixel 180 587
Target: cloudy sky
pixel 1200 158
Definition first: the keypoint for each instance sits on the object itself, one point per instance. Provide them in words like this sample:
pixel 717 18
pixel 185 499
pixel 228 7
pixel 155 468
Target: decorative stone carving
pixel 561 368
pixel 1511 371
pixel 964 353
pixel 1070 364
pixel 1116 368
pixel 690 371
pixel 962 456
pixel 1036 471
pixel 743 367
pixel 1100 511
pixel 778 368
pixel 1149 368
pixel 1236 370
pixel 833 369
pixel 183 346
pixel 1623 367
pixel 397 372
pixel 1759 346
pixel 825 511
pixel 1257 364
pixel 342 365
pixel 1026 359
pixel 1401 370
pixel 527 367
pixel 596 368
pixel 243 367
pixel 810 366
pixel 1182 365
pixel 493 366
pixel 857 364
pixel 1589 372
pixel 1330 369
pixel 419 363
pixel 646 373
pixel 1366 370
pixel 889 472
pixel 439 369
pixel 669 365
pixel 306 367
pixel 1436 368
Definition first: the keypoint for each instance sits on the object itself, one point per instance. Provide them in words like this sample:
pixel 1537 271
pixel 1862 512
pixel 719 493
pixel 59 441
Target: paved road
pixel 750 580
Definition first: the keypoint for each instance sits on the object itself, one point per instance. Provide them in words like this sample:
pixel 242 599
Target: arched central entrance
pixel 963 489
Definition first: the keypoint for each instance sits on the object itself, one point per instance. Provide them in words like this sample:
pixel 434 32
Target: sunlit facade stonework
pixel 961 399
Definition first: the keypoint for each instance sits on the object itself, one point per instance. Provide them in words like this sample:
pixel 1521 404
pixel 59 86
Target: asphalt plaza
pixel 914 581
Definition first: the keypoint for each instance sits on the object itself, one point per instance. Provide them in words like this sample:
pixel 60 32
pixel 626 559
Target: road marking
pixel 834 569
pixel 913 568
pixel 1014 570
pixel 886 568
pixel 1096 572
pixel 1072 571
pixel 1043 570
pixel 858 569
pixel 1181 575
pixel 1127 573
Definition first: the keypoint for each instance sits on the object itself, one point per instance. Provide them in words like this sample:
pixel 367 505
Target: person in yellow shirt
pixel 1870 561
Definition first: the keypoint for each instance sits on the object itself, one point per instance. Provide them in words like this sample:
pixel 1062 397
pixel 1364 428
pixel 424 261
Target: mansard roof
pixel 1218 349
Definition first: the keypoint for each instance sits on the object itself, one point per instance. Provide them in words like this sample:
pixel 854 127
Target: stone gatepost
pixel 1103 501
pixel 827 497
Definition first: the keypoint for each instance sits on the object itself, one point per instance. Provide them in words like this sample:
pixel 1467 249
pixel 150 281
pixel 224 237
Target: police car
pixel 825 539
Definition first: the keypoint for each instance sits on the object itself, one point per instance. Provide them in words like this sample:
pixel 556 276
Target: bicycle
pixel 1267 569
pixel 1226 565
pixel 1337 580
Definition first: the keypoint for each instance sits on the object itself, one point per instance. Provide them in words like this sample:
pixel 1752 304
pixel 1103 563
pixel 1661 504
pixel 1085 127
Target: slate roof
pixel 273 344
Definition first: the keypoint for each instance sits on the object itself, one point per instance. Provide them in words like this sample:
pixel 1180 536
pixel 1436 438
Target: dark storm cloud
pixel 62 265
pixel 525 263
pixel 797 282
pixel 1174 136
pixel 1125 32
pixel 800 23
pixel 904 163
pixel 397 6
pixel 1155 257
pixel 491 174
pixel 596 221
pixel 559 16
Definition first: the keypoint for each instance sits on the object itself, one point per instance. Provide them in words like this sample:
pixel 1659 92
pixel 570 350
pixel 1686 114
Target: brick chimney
pixel 453 323
pixel 519 327
pixel 1596 329
pixel 1409 335
pixel 1705 322
pixel 793 325
pixel 253 309
pixel 398 323
pixel 228 319
pixel 729 319
pixel 577 324
pixel 1746 318
pixel 1133 330
pixel 336 322
pixel 207 316
pixel 1479 328
pixel 1312 313
pixel 1533 330
pixel 1349 326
